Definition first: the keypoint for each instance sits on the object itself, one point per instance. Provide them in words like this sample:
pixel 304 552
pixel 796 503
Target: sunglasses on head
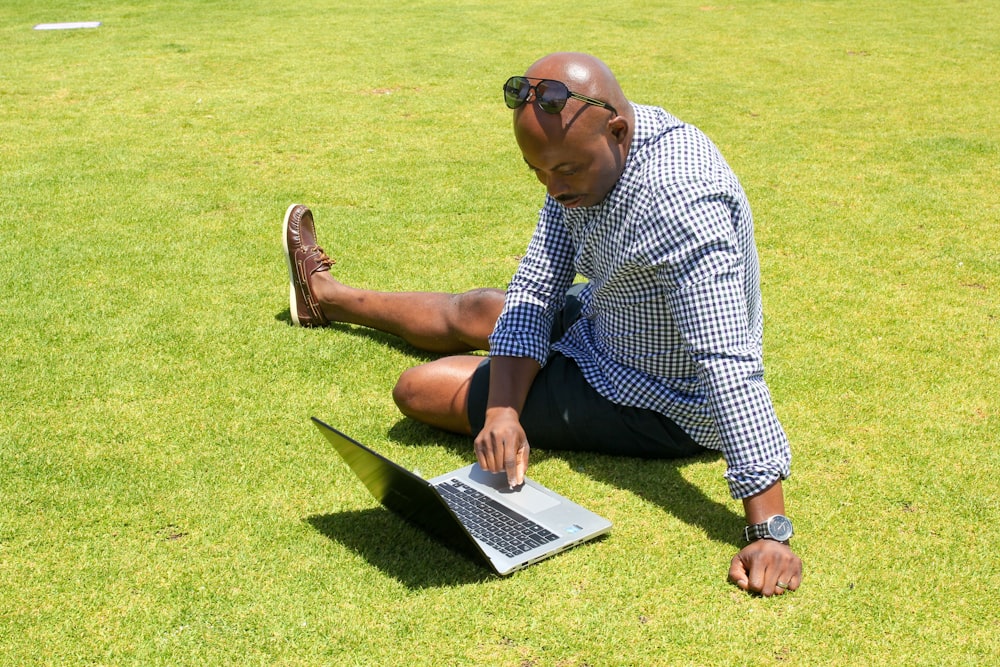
pixel 550 95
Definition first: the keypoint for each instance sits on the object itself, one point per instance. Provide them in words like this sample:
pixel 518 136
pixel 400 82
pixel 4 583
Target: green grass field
pixel 163 498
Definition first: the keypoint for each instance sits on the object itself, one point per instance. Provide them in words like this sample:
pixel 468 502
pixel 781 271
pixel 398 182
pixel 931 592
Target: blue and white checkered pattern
pixel 673 319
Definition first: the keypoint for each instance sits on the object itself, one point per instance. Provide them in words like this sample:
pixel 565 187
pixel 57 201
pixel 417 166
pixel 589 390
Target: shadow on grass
pixel 382 338
pixel 658 481
pixel 401 551
pixel 418 561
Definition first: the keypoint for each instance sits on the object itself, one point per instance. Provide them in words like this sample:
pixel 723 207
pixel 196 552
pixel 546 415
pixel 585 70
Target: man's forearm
pixel 502 444
pixel 764 505
pixel 510 380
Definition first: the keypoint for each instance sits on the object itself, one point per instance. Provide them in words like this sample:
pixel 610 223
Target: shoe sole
pixel 292 305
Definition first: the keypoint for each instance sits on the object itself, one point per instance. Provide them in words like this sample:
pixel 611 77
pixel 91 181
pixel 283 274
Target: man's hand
pixel 503 446
pixel 766 567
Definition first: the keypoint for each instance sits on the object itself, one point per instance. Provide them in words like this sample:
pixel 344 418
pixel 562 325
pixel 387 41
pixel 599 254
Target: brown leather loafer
pixel 305 309
pixel 304 258
pixel 298 229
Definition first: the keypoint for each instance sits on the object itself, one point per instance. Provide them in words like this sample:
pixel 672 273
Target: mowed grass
pixel 163 498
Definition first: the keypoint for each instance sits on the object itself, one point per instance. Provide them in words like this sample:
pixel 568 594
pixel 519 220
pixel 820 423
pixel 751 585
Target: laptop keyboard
pixel 491 522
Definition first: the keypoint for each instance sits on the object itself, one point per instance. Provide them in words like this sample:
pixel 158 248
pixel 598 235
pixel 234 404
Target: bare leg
pixel 437 392
pixel 431 321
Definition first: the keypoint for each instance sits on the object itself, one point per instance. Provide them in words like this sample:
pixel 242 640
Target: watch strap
pixel 760 531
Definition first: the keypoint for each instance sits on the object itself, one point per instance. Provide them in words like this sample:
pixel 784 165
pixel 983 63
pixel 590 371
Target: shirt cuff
pixel 748 482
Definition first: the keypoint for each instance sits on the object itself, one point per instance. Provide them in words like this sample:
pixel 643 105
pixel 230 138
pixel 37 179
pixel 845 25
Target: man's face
pixel 579 167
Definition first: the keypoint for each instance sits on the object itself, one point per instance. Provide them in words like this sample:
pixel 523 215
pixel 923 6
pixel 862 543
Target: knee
pixel 482 304
pixel 406 393
pixel 477 311
pixel 436 393
pixel 415 393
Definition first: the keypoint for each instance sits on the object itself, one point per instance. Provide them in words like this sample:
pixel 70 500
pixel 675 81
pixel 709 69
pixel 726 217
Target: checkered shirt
pixel 672 319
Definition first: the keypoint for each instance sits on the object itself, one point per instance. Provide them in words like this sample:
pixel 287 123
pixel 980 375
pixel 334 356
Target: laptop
pixel 474 511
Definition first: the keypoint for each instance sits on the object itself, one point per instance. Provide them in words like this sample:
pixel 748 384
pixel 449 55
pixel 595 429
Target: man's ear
pixel 619 128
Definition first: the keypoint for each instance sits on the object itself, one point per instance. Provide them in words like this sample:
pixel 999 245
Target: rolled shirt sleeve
pixel 537 292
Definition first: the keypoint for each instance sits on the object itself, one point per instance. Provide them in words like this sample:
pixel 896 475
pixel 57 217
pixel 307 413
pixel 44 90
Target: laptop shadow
pixel 418 561
pixel 658 481
pixel 398 549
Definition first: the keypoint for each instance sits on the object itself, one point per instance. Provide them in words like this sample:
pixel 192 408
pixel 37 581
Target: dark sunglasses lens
pixel 515 91
pixel 552 96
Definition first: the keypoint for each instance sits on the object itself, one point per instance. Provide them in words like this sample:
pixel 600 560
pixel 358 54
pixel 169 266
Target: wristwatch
pixel 778 528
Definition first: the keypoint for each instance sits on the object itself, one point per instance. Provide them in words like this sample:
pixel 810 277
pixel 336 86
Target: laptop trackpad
pixel 529 499
pixel 526 498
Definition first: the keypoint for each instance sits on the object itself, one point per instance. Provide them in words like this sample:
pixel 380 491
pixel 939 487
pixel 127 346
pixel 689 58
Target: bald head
pixel 582 73
pixel 578 153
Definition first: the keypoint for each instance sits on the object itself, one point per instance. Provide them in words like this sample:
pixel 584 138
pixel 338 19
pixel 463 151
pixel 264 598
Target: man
pixel 658 355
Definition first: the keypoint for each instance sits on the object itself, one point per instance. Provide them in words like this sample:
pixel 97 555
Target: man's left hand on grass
pixel 767 568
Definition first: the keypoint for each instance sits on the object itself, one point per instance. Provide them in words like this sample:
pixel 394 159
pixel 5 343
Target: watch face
pixel 779 527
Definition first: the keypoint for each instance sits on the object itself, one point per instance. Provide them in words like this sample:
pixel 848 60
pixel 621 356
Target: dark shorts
pixel 563 412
